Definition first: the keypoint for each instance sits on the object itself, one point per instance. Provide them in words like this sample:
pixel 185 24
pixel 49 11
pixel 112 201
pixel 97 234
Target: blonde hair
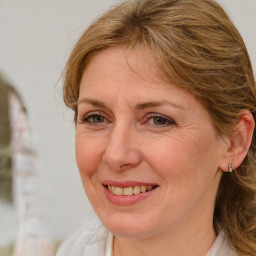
pixel 197 48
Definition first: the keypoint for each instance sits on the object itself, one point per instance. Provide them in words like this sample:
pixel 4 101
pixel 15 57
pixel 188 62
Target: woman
pixel 164 99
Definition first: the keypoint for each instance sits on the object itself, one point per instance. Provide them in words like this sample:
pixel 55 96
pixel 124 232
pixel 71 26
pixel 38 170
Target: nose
pixel 122 151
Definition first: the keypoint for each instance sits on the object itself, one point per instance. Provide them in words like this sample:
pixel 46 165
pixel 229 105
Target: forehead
pixel 118 76
pixel 136 62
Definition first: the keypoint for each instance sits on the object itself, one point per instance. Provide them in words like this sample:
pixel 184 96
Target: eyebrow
pixel 157 104
pixel 139 106
pixel 93 102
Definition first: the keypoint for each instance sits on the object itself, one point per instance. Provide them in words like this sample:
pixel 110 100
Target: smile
pixel 129 191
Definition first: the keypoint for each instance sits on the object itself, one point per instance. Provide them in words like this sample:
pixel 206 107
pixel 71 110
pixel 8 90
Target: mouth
pixel 130 190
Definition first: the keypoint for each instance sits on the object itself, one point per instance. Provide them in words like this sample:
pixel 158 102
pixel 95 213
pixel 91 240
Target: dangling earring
pixel 230 168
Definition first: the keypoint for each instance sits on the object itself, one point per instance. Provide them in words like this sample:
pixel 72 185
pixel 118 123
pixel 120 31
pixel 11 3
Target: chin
pixel 128 226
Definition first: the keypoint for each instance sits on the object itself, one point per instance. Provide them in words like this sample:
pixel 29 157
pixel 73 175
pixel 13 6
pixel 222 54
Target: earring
pixel 230 168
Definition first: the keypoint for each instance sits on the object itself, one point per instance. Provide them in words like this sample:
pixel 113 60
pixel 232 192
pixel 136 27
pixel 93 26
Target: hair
pixel 197 48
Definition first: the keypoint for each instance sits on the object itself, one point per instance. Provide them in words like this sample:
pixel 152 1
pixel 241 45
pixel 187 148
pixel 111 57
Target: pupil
pixel 159 121
pixel 98 119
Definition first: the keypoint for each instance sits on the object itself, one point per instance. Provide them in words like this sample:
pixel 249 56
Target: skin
pixel 120 138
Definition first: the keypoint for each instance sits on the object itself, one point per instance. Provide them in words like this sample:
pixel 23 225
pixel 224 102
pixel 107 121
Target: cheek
pixel 88 155
pixel 187 172
pixel 172 155
pixel 183 159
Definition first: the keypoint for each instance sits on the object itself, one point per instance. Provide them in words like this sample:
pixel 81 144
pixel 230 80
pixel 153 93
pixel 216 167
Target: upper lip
pixel 128 183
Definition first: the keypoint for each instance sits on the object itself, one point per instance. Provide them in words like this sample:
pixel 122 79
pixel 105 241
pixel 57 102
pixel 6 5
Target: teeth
pixel 118 191
pixel 128 191
pixel 149 188
pixel 136 190
pixel 143 189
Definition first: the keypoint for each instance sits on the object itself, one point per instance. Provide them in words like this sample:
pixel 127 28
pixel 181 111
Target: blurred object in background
pixel 20 228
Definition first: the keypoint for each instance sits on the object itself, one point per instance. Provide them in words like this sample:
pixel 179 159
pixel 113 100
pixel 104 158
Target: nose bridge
pixel 121 151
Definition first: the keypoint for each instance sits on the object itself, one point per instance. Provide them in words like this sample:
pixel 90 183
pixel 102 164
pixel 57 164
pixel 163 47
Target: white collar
pixel 109 246
pixel 220 246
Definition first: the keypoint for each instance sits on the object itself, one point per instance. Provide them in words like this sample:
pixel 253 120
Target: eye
pixel 95 119
pixel 159 120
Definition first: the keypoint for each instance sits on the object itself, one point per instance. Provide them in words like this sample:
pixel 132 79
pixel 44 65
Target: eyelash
pixel 167 121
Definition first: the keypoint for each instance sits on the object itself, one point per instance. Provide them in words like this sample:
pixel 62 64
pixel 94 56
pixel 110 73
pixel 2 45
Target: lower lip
pixel 127 200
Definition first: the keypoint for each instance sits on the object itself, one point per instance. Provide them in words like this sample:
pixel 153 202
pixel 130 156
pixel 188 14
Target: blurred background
pixel 36 37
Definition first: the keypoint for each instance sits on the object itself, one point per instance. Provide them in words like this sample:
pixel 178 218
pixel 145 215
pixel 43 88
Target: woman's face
pixel 147 152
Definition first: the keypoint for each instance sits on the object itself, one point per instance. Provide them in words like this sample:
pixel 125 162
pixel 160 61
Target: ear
pixel 239 141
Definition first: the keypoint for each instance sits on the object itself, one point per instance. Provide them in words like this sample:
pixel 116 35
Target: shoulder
pixel 90 240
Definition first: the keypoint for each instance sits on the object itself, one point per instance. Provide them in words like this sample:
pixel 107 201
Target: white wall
pixel 36 37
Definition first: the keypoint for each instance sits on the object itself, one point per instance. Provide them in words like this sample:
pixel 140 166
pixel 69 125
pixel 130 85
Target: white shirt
pixel 97 241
